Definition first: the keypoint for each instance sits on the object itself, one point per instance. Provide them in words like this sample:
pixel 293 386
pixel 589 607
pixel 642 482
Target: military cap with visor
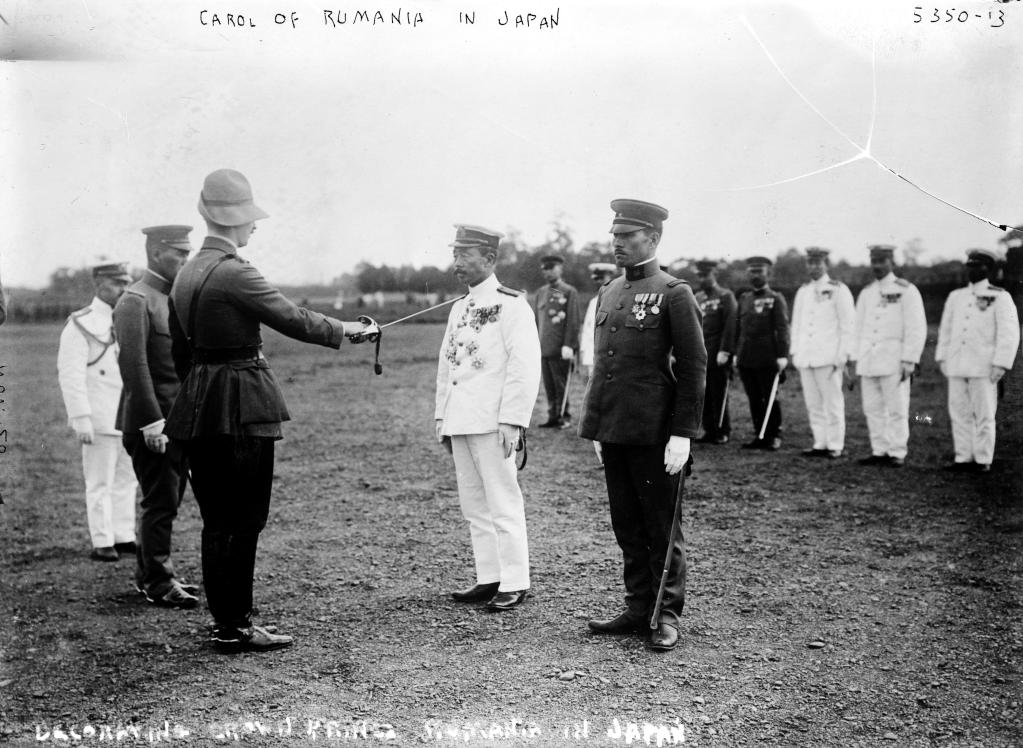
pixel 636 215
pixel 758 261
pixel 468 236
pixel 115 270
pixel 981 256
pixel 175 236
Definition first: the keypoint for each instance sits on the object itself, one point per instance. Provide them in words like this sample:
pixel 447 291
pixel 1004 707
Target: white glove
pixel 155 439
pixel 722 358
pixel 782 363
pixel 997 372
pixel 943 368
pixel 83 429
pixel 438 426
pixel 358 331
pixel 600 452
pixel 508 437
pixel 567 354
pixel 907 370
pixel 676 454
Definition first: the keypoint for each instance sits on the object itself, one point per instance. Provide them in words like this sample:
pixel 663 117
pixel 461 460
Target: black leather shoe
pixel 251 639
pixel 626 622
pixel 895 462
pixel 834 454
pixel 960 467
pixel 191 589
pixel 477 593
pixel 873 460
pixel 554 423
pixel 127 548
pixel 814 452
pixel 507 600
pixel 565 423
pixel 106 553
pixel 772 445
pixel 174 596
pixel 982 467
pixel 755 444
pixel 722 439
pixel 664 638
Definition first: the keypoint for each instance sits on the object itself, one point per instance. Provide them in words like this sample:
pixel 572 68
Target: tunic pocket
pixel 259 395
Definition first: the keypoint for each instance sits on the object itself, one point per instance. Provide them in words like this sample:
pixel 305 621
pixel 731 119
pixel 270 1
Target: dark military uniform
pixel 230 408
pixel 558 321
pixel 142 325
pixel 718 308
pixel 761 338
pixel 647 385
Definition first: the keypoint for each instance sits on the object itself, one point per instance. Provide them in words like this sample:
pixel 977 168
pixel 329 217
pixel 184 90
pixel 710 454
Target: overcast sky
pixel 367 142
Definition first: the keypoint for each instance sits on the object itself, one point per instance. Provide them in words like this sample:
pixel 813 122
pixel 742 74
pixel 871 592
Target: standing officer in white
pixel 488 377
pixel 90 383
pixel 823 323
pixel 977 344
pixel 601 273
pixel 891 330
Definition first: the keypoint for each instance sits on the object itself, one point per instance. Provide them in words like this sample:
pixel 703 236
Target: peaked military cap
pixel 702 266
pixel 600 269
pixel 758 261
pixel 636 215
pixel 820 252
pixel 548 260
pixel 981 256
pixel 172 236
pixel 882 250
pixel 468 236
pixel 226 199
pixel 117 270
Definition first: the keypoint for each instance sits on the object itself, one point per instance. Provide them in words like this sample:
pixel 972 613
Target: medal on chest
pixel 646 303
pixel 765 303
pixel 462 342
pixel 890 298
pixel 983 302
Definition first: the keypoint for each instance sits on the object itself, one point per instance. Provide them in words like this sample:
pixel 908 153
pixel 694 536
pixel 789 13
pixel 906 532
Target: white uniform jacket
pixel 823 324
pixel 90 379
pixel 979 329
pixel 586 336
pixel 890 327
pixel 488 371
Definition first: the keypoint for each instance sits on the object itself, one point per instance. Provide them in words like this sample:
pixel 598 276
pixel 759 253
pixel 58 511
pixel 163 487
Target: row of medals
pixel 642 300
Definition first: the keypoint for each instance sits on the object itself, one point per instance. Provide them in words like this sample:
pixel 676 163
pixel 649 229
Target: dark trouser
pixel 642 501
pixel 162 478
pixel 714 396
pixel 231 478
pixel 555 379
pixel 757 383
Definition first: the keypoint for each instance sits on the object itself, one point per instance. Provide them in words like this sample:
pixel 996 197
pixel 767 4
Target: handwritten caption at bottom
pixel 437 731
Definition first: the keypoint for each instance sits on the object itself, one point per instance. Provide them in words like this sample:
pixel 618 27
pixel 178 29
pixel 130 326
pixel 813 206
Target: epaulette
pixel 135 292
pixel 995 288
pixel 608 281
pixel 509 291
pixel 81 312
pixel 902 282
pixel 677 281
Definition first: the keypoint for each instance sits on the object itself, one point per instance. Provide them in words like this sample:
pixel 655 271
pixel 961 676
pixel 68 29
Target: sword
pixel 724 401
pixel 374 337
pixel 770 406
pixel 676 522
pixel 568 383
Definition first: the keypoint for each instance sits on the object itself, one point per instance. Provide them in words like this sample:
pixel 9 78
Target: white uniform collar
pixel 980 286
pixel 486 286
pixel 824 280
pixel 888 279
pixel 102 308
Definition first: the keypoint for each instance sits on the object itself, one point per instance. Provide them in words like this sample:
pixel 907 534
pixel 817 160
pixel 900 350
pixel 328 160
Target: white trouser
pixel 825 405
pixel 972 402
pixel 886 406
pixel 109 491
pixel 488 491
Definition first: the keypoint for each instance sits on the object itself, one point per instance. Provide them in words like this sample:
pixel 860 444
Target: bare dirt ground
pixel 828 604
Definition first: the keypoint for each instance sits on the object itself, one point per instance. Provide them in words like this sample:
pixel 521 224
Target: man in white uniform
pixel 977 344
pixel 823 323
pixel 891 330
pixel 488 377
pixel 601 273
pixel 90 382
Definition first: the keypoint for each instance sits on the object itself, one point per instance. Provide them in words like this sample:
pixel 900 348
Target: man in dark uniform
pixel 230 407
pixel 642 408
pixel 556 306
pixel 150 385
pixel 761 348
pixel 718 307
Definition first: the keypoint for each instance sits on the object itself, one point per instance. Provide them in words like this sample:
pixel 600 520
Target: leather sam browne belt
pixel 225 355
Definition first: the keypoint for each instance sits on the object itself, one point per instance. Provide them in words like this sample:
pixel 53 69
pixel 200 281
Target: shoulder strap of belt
pixel 105 344
pixel 193 305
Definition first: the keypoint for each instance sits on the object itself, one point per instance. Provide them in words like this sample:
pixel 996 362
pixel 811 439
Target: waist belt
pixel 225 355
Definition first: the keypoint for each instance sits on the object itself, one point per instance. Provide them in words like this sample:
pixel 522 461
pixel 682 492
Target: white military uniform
pixel 489 373
pixel 90 383
pixel 890 329
pixel 979 330
pixel 823 325
pixel 586 335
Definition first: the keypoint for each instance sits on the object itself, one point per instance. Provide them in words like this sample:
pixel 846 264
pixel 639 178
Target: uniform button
pixel 610 353
pixel 619 306
pixel 640 325
pixel 628 285
pixel 614 329
pixel 454 383
pixel 608 376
